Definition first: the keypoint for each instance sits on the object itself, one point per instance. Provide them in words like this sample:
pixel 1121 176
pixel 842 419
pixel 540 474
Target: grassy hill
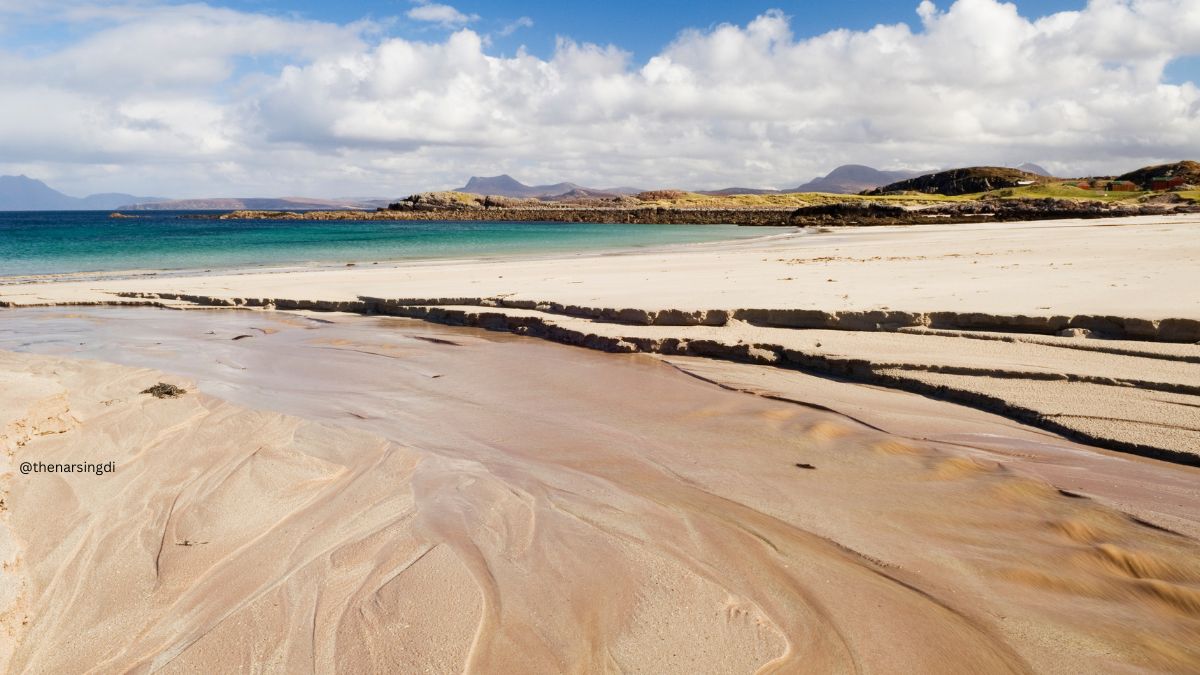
pixel 1188 170
pixel 980 183
pixel 970 180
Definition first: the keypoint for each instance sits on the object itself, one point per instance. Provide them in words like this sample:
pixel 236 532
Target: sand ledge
pixel 786 339
pixel 1116 327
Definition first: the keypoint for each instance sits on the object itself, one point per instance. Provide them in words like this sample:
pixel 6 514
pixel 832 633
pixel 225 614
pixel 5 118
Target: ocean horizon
pixel 65 242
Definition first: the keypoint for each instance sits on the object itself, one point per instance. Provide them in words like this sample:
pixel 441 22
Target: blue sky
pixel 641 27
pixel 384 97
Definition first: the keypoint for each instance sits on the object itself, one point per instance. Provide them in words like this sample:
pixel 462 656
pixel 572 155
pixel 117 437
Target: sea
pixel 63 242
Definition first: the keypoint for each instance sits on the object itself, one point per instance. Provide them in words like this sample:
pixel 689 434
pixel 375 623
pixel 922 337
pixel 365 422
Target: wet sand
pixel 1090 329
pixel 349 493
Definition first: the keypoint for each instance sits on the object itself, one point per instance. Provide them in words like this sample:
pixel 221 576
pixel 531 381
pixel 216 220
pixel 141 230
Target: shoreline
pixel 1018 268
pixel 999 351
pixel 317 265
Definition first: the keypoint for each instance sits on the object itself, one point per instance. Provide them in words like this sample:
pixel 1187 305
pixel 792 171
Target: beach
pixel 1122 266
pixel 995 316
pixel 929 448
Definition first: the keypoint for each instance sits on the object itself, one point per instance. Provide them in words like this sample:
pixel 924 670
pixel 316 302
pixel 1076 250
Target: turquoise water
pixel 54 242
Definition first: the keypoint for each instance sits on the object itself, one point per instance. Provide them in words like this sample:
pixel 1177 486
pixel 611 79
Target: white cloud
pixel 515 25
pixel 192 100
pixel 443 15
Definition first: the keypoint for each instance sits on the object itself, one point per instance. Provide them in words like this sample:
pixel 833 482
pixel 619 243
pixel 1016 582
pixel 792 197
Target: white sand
pixel 1135 267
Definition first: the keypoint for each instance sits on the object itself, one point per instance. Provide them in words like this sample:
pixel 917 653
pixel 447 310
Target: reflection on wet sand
pixel 381 494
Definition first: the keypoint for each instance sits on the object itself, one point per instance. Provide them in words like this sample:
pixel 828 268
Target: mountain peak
pixel 503 181
pixel 854 178
pixel 505 185
pixel 22 178
pixel 22 193
pixel 1030 167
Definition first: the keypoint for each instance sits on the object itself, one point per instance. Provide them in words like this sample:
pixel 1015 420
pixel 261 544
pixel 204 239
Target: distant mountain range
pixel 21 193
pixel 847 179
pixel 507 186
pixel 254 203
pixel 725 192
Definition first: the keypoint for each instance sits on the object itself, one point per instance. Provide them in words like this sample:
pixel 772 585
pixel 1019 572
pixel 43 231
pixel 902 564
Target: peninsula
pixel 976 194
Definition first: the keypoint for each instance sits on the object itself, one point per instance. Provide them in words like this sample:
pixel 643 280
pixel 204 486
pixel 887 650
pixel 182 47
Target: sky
pixel 383 98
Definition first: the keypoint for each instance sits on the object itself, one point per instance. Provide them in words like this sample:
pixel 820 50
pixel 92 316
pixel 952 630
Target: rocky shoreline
pixel 839 213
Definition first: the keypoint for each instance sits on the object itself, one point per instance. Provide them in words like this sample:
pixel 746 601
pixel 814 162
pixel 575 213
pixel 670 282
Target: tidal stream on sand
pixel 357 493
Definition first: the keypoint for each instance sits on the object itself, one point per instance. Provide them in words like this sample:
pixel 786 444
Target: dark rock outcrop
pixel 963 181
pixel 1144 178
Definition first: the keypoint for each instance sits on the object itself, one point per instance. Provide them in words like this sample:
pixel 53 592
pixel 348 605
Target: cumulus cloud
pixel 443 15
pixel 345 111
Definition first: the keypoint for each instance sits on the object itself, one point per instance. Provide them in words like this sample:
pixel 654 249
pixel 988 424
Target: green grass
pixel 448 196
pixel 906 198
pixel 790 199
pixel 1057 190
